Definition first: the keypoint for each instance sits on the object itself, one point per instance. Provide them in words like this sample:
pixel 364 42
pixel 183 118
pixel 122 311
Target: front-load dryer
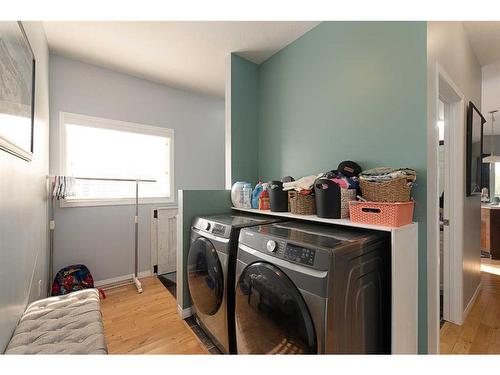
pixel 304 289
pixel 211 269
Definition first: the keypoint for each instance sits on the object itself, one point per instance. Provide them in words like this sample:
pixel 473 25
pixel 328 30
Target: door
pixel 166 229
pixel 205 277
pixel 271 314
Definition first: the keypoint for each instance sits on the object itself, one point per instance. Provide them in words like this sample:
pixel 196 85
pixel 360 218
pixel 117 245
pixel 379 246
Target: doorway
pixel 446 197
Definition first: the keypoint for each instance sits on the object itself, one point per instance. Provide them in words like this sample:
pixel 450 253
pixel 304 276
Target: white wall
pixel 102 237
pixel 491 94
pixel 448 45
pixel 23 206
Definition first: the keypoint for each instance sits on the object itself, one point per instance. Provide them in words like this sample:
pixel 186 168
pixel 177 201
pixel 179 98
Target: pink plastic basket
pixel 379 213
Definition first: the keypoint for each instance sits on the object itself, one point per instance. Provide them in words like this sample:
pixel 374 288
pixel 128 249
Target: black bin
pixel 328 199
pixel 278 199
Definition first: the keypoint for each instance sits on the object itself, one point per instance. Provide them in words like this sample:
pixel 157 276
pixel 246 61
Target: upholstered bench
pixel 68 324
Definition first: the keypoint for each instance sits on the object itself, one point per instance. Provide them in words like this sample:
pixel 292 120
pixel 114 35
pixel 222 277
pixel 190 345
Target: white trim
pixel 180 253
pixel 103 123
pixel 228 121
pixel 440 85
pixel 15 150
pixel 453 283
pixel 66 203
pixel 472 301
pixel 121 279
pixel 184 313
pixel 404 296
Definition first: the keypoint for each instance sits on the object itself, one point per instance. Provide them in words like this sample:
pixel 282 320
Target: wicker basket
pixel 382 213
pixel 301 204
pixel 396 190
pixel 347 195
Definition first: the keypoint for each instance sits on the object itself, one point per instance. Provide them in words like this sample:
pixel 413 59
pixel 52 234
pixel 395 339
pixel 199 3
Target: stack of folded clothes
pixel 384 174
pixel 303 185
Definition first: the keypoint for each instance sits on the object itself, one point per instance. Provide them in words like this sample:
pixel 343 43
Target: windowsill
pixel 64 203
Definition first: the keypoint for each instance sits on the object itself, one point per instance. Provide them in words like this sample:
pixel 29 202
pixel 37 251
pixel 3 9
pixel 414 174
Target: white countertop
pixel 491 206
pixel 344 222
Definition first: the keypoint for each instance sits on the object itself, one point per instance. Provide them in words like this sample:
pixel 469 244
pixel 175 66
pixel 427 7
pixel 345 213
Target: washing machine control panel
pixel 299 254
pixel 218 229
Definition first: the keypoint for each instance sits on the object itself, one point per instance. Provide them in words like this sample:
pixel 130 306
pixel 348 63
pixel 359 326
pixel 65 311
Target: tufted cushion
pixel 68 324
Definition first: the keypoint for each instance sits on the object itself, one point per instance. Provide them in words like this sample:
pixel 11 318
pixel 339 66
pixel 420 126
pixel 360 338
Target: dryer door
pixel 205 278
pixel 271 315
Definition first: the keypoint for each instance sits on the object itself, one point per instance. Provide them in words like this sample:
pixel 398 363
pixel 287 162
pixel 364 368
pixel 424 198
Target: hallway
pixel 480 333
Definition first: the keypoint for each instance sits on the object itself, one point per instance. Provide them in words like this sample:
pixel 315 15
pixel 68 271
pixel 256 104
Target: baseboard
pixel 471 302
pixel 184 313
pixel 120 279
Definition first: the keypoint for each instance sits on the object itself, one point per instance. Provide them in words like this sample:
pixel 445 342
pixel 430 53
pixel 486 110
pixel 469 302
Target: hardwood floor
pixel 146 323
pixel 480 333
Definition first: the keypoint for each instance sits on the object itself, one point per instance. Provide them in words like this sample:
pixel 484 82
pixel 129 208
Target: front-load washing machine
pixel 304 288
pixel 210 270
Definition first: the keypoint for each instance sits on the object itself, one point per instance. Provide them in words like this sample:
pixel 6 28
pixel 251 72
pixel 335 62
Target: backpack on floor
pixel 72 278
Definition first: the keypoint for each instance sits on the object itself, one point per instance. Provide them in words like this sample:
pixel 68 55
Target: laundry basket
pixel 396 190
pixel 301 204
pixel 385 214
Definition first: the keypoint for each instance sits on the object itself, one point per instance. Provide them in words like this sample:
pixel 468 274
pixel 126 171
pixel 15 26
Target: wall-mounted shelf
pixel 314 218
pixel 404 268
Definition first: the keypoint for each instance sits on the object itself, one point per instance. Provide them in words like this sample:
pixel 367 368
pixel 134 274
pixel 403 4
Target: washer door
pixel 271 314
pixel 205 278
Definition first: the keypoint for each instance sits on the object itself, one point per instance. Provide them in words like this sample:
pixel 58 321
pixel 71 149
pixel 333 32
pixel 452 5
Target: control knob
pixel 271 245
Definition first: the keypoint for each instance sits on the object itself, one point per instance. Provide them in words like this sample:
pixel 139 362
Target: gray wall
pixel 23 206
pixel 102 237
pixel 448 45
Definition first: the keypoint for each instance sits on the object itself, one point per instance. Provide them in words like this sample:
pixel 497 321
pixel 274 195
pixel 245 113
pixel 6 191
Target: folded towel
pixel 304 183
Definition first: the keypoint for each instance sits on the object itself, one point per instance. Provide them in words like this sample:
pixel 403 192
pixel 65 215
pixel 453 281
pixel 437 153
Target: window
pixel 101 148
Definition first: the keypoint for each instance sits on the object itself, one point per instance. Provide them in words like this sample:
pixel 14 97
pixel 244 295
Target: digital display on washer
pixel 219 229
pixel 299 254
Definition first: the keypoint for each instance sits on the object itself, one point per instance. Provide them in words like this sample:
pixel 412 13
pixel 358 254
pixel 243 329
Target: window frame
pixel 104 123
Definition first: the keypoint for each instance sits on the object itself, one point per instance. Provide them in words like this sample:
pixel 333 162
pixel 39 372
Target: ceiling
pixel 186 55
pixel 484 38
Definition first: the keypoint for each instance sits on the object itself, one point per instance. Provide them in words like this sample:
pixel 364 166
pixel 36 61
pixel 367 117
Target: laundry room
pixel 254 210
pixel 301 184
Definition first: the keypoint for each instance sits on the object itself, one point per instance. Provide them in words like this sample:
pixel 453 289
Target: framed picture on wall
pixel 17 91
pixel 475 122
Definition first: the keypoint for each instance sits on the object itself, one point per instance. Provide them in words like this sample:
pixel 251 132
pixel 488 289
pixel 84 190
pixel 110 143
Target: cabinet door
pixel 167 241
pixel 485 229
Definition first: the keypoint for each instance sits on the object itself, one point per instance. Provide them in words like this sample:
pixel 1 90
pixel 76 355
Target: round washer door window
pixel 205 279
pixel 271 314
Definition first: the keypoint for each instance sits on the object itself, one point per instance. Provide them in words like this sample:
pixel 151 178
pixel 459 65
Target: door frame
pixel 442 87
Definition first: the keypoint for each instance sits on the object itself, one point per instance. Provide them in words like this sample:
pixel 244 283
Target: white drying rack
pixel 135 278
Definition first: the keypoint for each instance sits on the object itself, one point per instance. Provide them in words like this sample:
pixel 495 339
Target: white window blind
pixel 114 149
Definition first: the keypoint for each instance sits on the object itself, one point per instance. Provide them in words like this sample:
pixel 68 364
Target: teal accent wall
pixel 195 203
pixel 244 113
pixel 344 91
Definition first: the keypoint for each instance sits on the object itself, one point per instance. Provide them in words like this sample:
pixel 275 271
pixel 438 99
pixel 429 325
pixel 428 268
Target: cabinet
pixel 490 230
pixel 404 258
pixel 485 229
